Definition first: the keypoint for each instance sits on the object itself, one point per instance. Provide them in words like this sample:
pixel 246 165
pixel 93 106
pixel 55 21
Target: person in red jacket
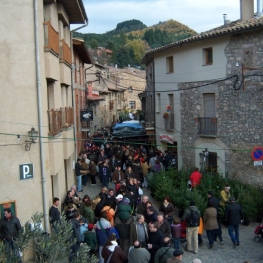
pixel 195 177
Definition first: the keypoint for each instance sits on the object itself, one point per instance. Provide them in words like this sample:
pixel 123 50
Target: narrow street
pixel 248 250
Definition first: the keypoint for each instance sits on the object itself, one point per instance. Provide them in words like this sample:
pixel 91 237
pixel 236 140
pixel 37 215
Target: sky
pixel 200 15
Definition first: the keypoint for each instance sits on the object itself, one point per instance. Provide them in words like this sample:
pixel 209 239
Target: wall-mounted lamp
pixel 32 134
pixel 130 89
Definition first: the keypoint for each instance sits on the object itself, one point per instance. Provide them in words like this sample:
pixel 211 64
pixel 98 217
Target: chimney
pixel 259 8
pixel 226 21
pixel 90 89
pixel 246 9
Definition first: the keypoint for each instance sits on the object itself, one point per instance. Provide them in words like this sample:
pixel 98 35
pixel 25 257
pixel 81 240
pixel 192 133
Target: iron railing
pixel 207 126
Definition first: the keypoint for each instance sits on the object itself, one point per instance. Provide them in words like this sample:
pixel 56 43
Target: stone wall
pixel 239 111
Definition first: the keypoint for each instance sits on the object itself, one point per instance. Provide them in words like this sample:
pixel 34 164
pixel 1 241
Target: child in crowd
pixel 91 239
pixel 176 232
pixel 83 227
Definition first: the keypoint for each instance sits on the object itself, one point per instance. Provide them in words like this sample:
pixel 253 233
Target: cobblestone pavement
pixel 248 250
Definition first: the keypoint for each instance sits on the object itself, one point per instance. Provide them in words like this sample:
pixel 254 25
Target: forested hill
pixel 131 39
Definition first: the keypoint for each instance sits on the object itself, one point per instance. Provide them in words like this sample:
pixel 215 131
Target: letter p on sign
pixel 26 171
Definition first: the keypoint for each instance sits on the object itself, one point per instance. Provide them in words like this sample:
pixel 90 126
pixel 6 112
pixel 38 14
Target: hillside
pixel 131 39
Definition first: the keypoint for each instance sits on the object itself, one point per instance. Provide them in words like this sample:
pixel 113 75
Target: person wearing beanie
pixel 192 217
pixel 177 257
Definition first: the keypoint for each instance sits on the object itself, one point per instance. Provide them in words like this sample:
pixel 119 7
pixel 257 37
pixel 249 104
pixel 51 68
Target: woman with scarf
pixel 112 253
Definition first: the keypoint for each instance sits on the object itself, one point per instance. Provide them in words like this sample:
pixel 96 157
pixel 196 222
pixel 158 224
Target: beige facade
pixel 54 147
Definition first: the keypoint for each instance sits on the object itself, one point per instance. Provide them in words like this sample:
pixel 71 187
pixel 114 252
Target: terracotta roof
pixel 82 50
pixel 231 28
pixel 93 98
pixel 108 51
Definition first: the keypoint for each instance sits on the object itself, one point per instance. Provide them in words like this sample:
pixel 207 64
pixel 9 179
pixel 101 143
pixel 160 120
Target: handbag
pixel 110 256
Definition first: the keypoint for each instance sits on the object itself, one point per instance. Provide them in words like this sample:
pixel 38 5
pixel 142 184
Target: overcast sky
pixel 200 15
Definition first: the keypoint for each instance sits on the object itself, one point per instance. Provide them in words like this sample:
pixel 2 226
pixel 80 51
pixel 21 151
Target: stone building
pixel 132 81
pixel 212 83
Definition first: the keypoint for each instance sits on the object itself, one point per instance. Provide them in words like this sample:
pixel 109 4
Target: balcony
pixel 65 52
pixel 207 126
pixel 169 122
pixel 51 38
pixel 55 122
pixel 67 117
pixel 111 105
pixel 60 119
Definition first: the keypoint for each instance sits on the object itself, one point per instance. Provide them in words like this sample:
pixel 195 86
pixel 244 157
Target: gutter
pixel 40 118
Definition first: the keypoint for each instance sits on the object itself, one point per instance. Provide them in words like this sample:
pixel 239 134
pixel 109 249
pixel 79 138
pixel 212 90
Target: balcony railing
pixel 67 117
pixel 169 123
pixel 65 52
pixel 55 121
pixel 112 105
pixel 51 38
pixel 207 126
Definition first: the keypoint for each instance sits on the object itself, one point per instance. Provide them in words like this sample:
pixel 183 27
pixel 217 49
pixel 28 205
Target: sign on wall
pixel 87 115
pixel 26 171
pixel 257 153
pixel 166 138
pixel 8 204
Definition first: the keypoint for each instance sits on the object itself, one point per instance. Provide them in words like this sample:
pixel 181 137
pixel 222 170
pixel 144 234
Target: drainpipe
pixel 259 8
pixel 154 100
pixel 72 87
pixel 39 111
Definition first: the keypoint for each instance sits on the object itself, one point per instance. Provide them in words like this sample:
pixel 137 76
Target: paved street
pixel 248 249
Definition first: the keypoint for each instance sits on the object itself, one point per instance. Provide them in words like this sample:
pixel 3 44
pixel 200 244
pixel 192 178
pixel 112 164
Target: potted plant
pixel 166 115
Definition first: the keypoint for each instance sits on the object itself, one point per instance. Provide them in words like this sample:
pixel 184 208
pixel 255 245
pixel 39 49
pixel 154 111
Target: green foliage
pixel 54 248
pixel 138 37
pixel 94 43
pixel 174 184
pixel 131 25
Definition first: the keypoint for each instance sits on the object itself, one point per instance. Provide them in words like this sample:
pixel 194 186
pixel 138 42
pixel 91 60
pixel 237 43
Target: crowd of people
pixel 122 225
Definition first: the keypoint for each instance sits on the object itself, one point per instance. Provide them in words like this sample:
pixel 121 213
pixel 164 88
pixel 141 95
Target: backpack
pixel 194 218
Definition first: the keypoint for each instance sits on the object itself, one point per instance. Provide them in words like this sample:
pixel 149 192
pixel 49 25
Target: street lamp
pixel 32 134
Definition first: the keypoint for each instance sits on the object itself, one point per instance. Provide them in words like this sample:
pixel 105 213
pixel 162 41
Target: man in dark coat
pixel 155 240
pixel 75 236
pixel 233 216
pixel 9 229
pixel 104 174
pixel 54 214
pixel 141 208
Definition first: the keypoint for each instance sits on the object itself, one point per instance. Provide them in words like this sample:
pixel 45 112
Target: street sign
pixel 257 163
pixel 26 171
pixel 257 153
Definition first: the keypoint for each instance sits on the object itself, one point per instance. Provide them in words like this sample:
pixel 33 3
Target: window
pixel 132 104
pixel 207 56
pixel 169 64
pixel 169 123
pixel 208 123
pixel 158 102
